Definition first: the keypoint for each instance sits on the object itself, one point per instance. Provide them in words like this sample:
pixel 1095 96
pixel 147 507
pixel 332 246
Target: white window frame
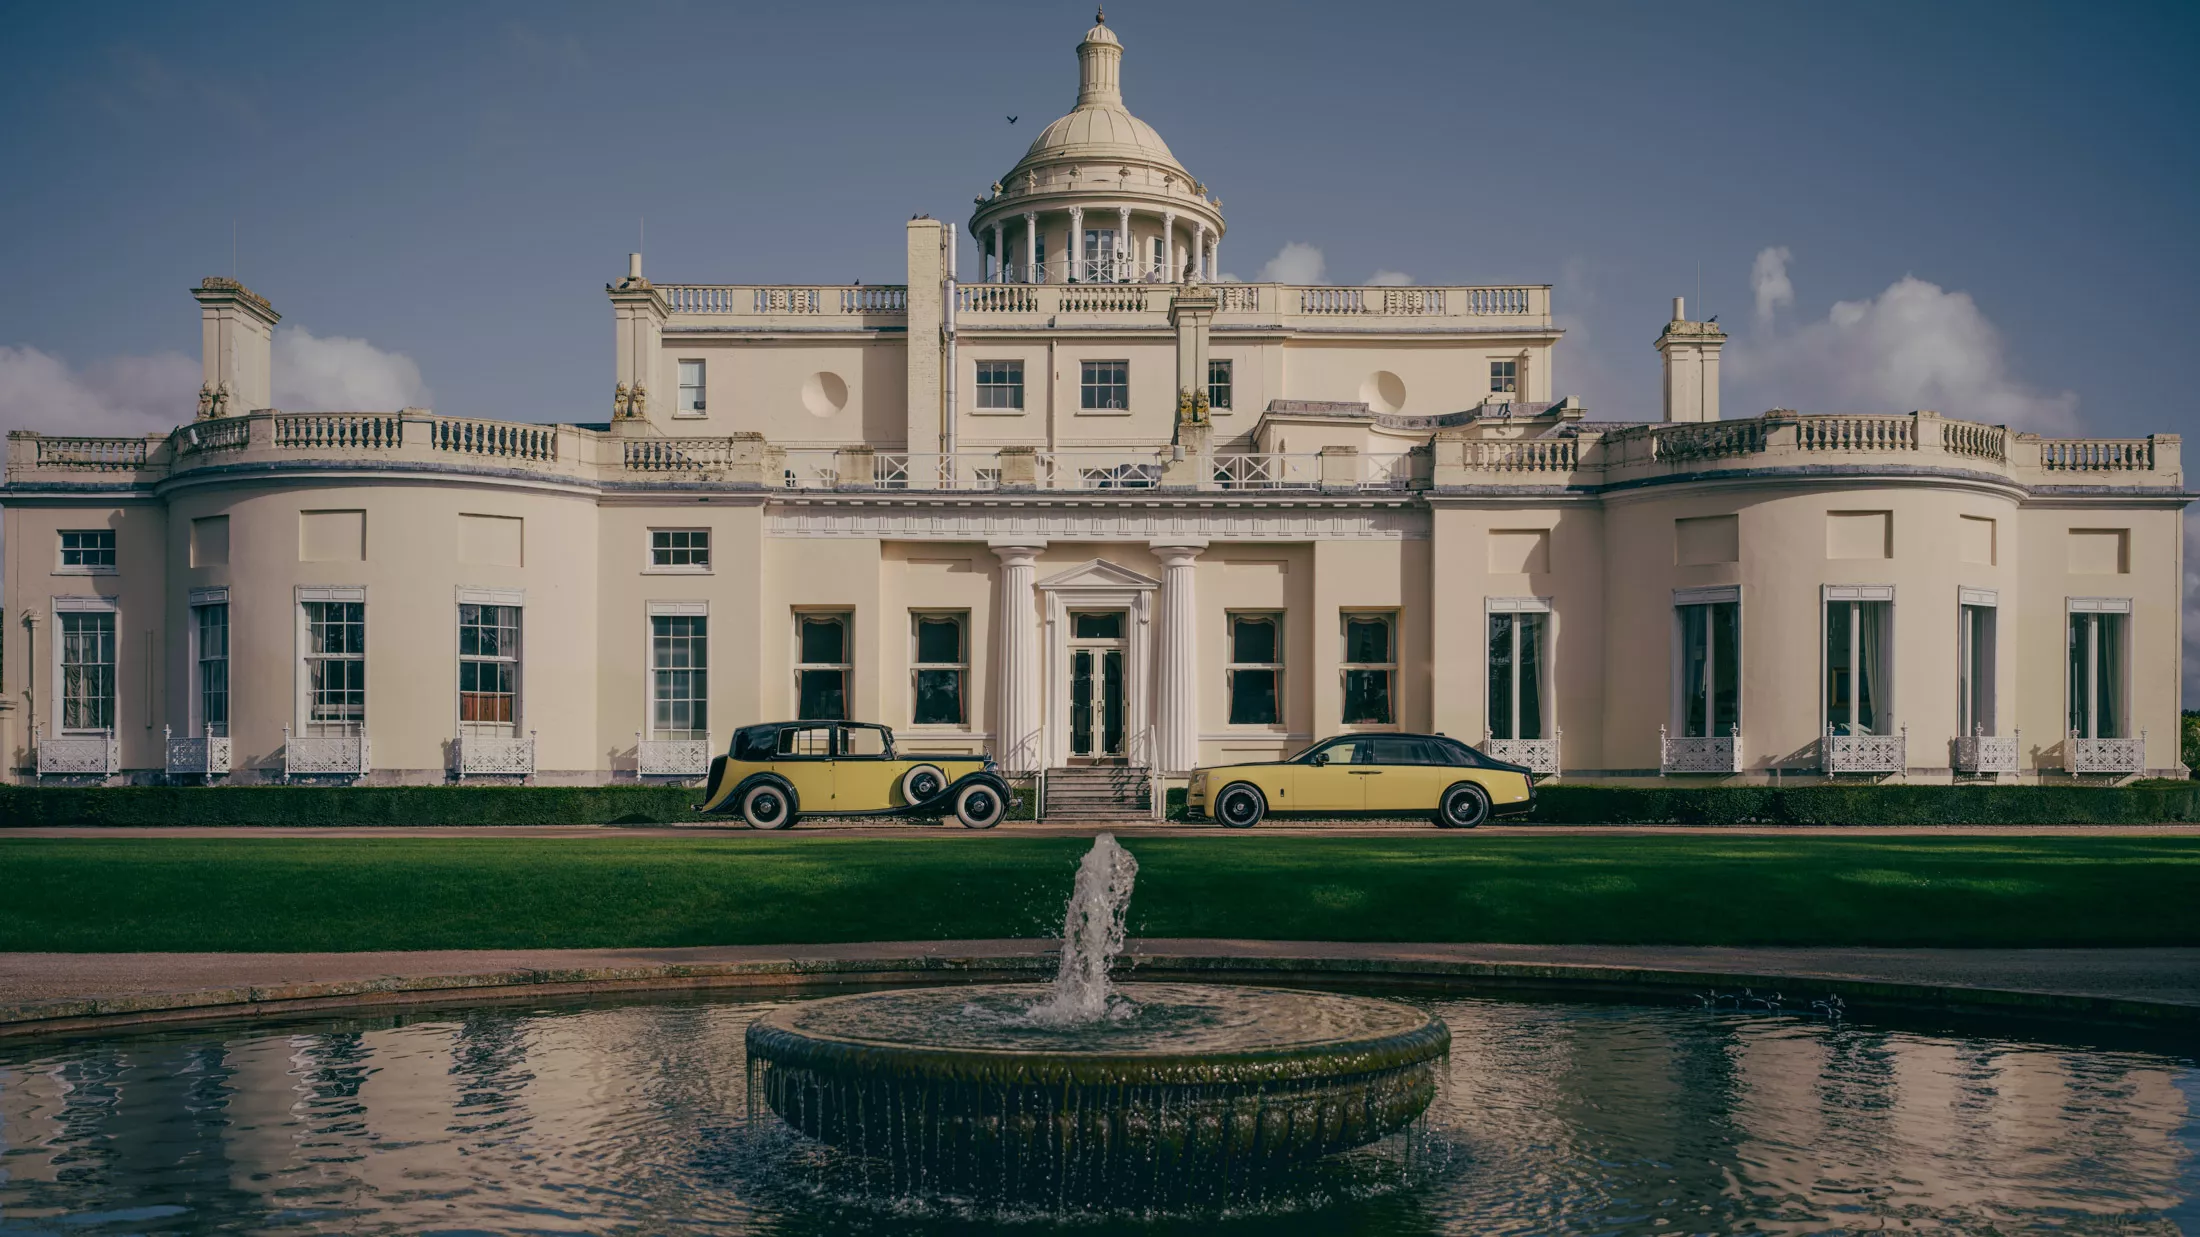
pixel 1969 695
pixel 652 549
pixel 998 366
pixel 1229 384
pixel 847 668
pixel 1715 595
pixel 1505 376
pixel 113 549
pixel 1854 595
pixel 700 405
pixel 195 722
pixel 701 703
pixel 1389 668
pixel 960 668
pixel 1546 669
pixel 1233 666
pixel 507 598
pixel 86 605
pixel 1086 387
pixel 2095 606
pixel 302 663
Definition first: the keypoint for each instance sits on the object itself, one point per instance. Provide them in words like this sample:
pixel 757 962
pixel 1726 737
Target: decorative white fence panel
pixel 672 757
pixel 1866 753
pixel 1387 472
pixel 334 754
pixel 896 470
pixel 488 755
pixel 811 469
pixel 1540 755
pixel 2125 755
pixel 201 757
pixel 98 754
pixel 1257 471
pixel 1699 754
pixel 1099 470
pixel 1987 753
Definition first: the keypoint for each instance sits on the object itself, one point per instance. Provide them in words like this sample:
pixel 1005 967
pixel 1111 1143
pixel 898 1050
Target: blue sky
pixel 1985 208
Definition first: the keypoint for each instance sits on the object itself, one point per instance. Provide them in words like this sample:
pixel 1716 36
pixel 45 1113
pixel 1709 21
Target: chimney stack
pixel 1691 352
pixel 236 339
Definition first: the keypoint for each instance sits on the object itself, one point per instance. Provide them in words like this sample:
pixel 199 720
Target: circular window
pixel 1384 391
pixel 824 394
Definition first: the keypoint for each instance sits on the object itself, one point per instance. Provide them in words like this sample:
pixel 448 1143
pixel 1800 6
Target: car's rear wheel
pixel 1240 806
pixel 980 805
pixel 1464 806
pixel 922 783
pixel 767 805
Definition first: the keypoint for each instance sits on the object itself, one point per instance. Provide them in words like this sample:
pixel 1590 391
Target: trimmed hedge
pixel 2140 803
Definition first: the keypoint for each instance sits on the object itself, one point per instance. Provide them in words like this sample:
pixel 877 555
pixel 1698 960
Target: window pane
pixel 1501 676
pixel 1726 652
pixel 1253 640
pixel 1840 675
pixel 823 697
pixel 862 741
pixel 1253 698
pixel 939 640
pixel 1107 626
pixel 1530 670
pixel 939 698
pixel 1398 751
pixel 824 642
pixel 1367 697
pixel 808 741
pixel 1695 671
pixel 1367 640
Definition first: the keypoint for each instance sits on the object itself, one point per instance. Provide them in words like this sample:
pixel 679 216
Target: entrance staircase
pixel 1097 792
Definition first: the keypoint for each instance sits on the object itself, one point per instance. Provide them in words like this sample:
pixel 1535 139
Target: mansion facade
pixel 1082 503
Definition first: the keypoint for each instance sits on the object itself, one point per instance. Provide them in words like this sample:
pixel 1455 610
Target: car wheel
pixel 922 783
pixel 980 805
pixel 767 805
pixel 1465 806
pixel 1240 806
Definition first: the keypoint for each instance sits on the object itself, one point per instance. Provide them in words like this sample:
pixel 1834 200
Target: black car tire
pixel 1465 806
pixel 922 783
pixel 980 805
pixel 1240 806
pixel 767 805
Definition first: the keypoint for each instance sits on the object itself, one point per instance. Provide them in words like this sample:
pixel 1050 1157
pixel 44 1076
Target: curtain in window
pixel 1871 619
pixel 1695 671
pixel 2109 675
pixel 1530 670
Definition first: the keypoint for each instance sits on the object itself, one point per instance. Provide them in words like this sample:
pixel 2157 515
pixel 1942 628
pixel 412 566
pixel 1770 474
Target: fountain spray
pixel 1092 934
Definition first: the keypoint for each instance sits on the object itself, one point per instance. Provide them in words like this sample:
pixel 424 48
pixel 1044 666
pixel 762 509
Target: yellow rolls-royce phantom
pixel 1369 775
pixel 778 771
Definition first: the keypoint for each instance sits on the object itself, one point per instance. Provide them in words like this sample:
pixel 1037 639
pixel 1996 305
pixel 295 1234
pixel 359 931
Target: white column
pixel 1031 246
pixel 1123 255
pixel 1076 243
pixel 1000 255
pixel 1168 246
pixel 1199 249
pixel 1176 702
pixel 1017 738
pixel 1214 255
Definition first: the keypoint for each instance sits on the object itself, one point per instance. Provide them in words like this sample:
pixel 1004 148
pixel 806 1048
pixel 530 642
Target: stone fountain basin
pixel 1200 1085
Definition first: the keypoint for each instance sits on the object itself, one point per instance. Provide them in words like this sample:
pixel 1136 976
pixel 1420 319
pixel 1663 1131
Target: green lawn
pixel 292 893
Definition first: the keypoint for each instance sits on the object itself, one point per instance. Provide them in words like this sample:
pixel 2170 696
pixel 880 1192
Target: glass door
pixel 1096 688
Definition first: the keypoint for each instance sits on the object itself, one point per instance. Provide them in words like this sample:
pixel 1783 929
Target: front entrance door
pixel 1096 688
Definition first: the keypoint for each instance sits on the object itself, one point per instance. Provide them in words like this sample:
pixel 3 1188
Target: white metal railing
pixel 309 755
pixel 1988 442
pixel 1865 753
pixel 340 431
pixel 219 434
pixel 810 469
pixel 906 470
pixel 1099 470
pixel 2122 755
pixel 678 454
pixel 1267 471
pixel 1537 755
pixel 1699 753
pixel 671 757
pixel 1987 753
pixel 206 756
pixel 489 755
pixel 1388 472
pixel 1524 455
pixel 95 454
pixel 2097 455
pixel 97 753
pixel 510 440
pixel 1847 433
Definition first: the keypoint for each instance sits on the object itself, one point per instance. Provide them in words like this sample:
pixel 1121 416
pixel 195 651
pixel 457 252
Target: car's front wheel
pixel 1465 806
pixel 922 783
pixel 1240 806
pixel 767 805
pixel 980 805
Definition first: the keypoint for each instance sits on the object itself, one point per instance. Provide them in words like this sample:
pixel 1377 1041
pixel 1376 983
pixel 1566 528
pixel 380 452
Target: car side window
pixel 1396 751
pixel 1337 753
pixel 796 742
pixel 862 742
pixel 756 743
pixel 1452 752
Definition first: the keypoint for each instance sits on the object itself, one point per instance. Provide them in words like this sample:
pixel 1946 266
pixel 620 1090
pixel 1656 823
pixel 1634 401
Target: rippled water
pixel 634 1118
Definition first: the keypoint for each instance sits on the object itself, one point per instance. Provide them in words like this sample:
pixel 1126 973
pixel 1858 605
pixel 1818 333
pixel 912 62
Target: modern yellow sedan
pixel 1372 775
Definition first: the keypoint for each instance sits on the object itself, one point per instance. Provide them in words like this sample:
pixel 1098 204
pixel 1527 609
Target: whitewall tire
pixel 980 805
pixel 767 805
pixel 922 782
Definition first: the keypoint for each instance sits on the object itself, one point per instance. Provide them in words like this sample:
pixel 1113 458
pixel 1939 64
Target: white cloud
pixel 1389 279
pixel 1915 345
pixel 1768 277
pixel 1294 263
pixel 118 396
pixel 337 374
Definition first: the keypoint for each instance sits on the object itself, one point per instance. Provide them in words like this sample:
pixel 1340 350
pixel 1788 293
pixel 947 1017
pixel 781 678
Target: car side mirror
pixel 1321 758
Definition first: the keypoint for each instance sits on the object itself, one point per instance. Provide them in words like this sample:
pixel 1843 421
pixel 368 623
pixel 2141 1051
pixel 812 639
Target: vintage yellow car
pixel 776 772
pixel 1368 774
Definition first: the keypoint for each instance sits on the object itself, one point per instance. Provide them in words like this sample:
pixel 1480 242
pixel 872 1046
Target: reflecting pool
pixel 635 1117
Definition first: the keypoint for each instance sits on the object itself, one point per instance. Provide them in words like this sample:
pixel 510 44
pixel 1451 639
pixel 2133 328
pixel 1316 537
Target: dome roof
pixel 1100 130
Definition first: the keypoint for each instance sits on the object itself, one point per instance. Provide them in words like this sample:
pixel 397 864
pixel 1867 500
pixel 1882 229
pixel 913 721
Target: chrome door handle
pixel 1365 772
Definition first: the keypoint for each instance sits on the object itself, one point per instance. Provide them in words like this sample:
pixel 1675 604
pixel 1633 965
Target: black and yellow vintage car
pixel 779 771
pixel 1368 775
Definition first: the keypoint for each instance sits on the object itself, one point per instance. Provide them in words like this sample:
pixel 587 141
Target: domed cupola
pixel 1098 197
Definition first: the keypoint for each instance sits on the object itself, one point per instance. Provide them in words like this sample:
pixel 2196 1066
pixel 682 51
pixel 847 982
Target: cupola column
pixel 1123 252
pixel 1168 246
pixel 1031 246
pixel 1076 244
pixel 1000 255
pixel 1214 256
pixel 1199 249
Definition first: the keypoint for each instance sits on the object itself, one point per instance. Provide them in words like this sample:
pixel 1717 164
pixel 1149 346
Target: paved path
pixel 80 989
pixel 1131 828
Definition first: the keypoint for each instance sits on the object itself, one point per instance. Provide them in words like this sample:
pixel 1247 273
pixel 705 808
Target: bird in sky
pixel 1012 120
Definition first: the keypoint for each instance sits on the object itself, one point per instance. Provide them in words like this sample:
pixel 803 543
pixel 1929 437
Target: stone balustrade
pixel 984 304
pixel 780 300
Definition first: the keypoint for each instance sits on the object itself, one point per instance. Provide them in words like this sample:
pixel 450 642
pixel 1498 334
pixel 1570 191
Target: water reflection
pixel 634 1118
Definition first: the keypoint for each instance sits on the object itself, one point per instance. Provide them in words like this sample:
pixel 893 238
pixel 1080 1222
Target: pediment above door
pixel 1098 573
